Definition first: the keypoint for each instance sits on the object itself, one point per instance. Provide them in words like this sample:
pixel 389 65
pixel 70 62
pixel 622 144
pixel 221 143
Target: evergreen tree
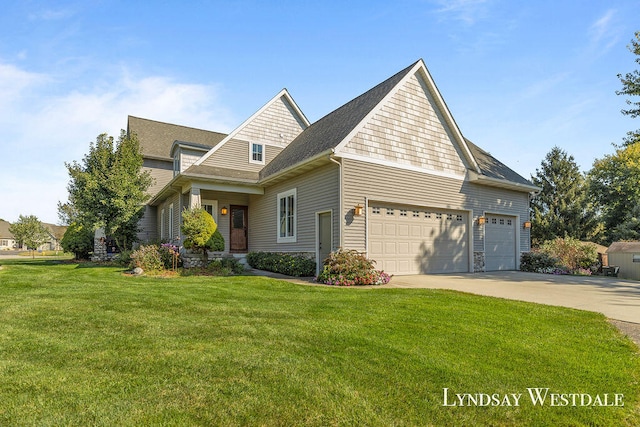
pixel 109 188
pixel 562 208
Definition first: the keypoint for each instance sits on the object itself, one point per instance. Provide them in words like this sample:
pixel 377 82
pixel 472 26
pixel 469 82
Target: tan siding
pixel 177 210
pixel 149 225
pixel 277 125
pixel 628 268
pixel 234 154
pixel 188 158
pixel 316 191
pixel 408 130
pixel 226 200
pixel 161 172
pixel 363 180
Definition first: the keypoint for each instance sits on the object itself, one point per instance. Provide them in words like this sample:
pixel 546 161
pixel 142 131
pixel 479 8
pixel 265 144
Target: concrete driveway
pixel 615 298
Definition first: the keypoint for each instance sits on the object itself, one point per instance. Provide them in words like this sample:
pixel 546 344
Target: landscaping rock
pixel 138 271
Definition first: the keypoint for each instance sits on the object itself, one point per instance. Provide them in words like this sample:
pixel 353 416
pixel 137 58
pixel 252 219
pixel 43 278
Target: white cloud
pixel 467 11
pixel 42 131
pixel 603 33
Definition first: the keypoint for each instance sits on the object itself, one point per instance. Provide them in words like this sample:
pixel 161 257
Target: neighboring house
pixel 625 255
pixel 7 240
pixel 388 173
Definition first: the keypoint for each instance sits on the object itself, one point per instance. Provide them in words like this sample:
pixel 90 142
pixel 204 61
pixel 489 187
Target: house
pixel 626 256
pixel 389 173
pixel 7 241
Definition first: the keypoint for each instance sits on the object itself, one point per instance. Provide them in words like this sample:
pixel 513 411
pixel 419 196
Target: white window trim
pixel 214 208
pixel 171 236
pixel 162 220
pixel 264 152
pixel 177 161
pixel 285 194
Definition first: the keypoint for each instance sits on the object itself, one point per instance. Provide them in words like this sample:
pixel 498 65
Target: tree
pixel 198 227
pixel 108 189
pixel 629 229
pixel 614 183
pixel 631 86
pixel 562 207
pixel 28 230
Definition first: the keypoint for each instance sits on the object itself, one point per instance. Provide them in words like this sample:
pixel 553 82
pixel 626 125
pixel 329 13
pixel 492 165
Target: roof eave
pixel 502 183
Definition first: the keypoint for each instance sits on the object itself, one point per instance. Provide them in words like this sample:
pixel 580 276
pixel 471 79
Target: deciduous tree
pixel 108 188
pixel 29 231
pixel 631 87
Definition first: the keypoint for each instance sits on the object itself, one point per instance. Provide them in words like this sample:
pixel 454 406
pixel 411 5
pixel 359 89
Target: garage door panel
pixel 500 243
pixel 418 240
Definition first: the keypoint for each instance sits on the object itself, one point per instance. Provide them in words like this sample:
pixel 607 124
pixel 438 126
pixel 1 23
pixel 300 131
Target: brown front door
pixel 238 229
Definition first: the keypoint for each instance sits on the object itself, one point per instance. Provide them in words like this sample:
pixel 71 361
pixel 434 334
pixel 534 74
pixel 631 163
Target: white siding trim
pixel 384 162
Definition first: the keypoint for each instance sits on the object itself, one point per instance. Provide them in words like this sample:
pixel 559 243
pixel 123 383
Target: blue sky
pixel 518 76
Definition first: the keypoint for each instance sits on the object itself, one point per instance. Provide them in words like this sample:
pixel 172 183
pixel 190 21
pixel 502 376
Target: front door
pixel 239 226
pixel 324 237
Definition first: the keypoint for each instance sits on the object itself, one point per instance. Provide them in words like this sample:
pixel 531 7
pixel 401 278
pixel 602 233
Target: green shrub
pixel 536 261
pixel 123 258
pixel 571 253
pixel 225 266
pixel 349 268
pixel 198 227
pixel 147 258
pixel 79 240
pixel 216 242
pixel 284 263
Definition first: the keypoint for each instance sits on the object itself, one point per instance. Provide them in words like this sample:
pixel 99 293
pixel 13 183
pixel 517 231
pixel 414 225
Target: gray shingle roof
pixel 493 168
pixel 330 130
pixel 156 138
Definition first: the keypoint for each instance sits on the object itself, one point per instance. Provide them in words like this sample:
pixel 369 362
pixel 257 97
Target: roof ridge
pixel 174 124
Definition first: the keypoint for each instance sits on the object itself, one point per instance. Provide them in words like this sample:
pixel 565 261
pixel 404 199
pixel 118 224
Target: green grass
pixel 86 345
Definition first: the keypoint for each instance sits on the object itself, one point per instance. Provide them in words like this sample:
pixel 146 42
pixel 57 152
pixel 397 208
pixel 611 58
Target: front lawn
pixel 83 345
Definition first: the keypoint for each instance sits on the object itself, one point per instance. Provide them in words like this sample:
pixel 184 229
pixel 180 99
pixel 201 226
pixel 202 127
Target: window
pixel 176 164
pixel 458 217
pixel 416 214
pixel 427 215
pixel 403 212
pixel 171 236
pixel 390 211
pixel 256 153
pixel 509 222
pixel 636 257
pixel 438 216
pixel 375 210
pixel 449 217
pixel 211 207
pixel 501 221
pixel 494 221
pixel 162 226
pixel 287 216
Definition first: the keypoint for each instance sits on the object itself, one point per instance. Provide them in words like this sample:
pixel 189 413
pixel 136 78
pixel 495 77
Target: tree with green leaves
pixel 198 227
pixel 631 86
pixel 29 231
pixel 78 239
pixel 614 183
pixel 562 208
pixel 109 188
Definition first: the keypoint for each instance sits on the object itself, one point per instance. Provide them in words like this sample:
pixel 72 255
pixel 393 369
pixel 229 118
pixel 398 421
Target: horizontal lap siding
pixel 394 185
pixel 234 154
pixel 161 172
pixel 316 191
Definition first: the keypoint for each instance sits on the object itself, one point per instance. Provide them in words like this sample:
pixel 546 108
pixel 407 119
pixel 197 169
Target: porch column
pixel 194 198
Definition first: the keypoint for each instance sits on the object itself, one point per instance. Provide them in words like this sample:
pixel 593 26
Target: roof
pixel 491 167
pixel 157 138
pixel 4 229
pixel 326 133
pixel 626 247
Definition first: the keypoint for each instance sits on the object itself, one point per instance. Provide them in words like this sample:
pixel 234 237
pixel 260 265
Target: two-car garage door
pixel 417 240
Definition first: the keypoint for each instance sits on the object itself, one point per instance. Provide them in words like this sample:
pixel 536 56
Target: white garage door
pixel 416 240
pixel 500 243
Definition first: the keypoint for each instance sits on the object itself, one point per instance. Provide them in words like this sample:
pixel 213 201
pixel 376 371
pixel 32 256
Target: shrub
pixel 571 253
pixel 198 227
pixel 351 268
pixel 225 266
pixel 537 262
pixel 216 242
pixel 79 240
pixel 147 258
pixel 284 263
pixel 170 256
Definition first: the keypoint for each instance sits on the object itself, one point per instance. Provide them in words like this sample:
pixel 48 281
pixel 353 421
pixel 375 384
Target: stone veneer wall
pixel 478 262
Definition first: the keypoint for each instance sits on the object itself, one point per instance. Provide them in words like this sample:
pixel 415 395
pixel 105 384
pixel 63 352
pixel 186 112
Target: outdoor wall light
pixel 527 224
pixel 357 210
pixel 224 210
pixel 481 220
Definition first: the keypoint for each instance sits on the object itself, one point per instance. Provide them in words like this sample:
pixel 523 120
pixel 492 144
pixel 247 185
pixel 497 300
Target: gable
pixel 274 126
pixel 408 130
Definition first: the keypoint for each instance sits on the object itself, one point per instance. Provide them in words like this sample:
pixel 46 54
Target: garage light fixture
pixel 481 220
pixel 357 210
pixel 527 224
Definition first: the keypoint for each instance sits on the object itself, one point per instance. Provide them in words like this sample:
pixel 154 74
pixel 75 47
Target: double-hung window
pixel 171 236
pixel 287 213
pixel 256 153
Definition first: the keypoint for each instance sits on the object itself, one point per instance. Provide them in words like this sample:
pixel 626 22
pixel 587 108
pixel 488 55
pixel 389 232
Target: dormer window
pixel 176 163
pixel 256 153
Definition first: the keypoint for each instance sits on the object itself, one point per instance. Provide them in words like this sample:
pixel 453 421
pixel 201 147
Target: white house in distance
pixel 389 174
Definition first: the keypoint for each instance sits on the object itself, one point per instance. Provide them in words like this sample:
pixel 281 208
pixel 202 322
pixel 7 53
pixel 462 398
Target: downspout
pixel 340 196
